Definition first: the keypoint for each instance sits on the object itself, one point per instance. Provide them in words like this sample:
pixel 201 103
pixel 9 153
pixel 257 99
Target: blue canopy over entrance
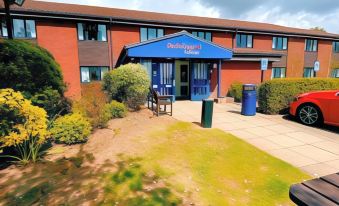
pixel 178 45
pixel 162 55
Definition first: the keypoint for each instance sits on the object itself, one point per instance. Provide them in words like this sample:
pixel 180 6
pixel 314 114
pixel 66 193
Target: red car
pixel 317 107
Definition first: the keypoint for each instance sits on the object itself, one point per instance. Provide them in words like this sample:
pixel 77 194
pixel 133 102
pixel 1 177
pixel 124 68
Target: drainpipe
pixel 111 41
pixel 219 79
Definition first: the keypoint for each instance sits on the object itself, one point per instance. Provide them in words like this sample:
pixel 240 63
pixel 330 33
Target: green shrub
pixel 28 68
pixel 129 84
pixel 52 102
pixel 71 129
pixel 235 91
pixel 276 95
pixel 22 126
pixel 116 109
pixel 91 104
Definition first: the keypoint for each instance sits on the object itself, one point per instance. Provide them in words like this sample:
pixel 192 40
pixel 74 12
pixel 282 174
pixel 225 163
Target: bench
pixel 323 191
pixel 154 98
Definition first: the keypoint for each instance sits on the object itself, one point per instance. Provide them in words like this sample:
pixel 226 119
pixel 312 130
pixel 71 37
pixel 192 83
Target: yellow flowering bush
pixel 71 129
pixel 22 125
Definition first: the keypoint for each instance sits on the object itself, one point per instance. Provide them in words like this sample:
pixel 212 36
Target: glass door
pixel 163 78
pixel 200 83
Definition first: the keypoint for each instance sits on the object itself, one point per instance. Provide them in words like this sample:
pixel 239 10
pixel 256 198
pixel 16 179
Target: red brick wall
pixel 262 42
pixel 324 57
pixel 295 58
pixel 121 36
pixel 244 72
pixel 223 39
pixel 61 40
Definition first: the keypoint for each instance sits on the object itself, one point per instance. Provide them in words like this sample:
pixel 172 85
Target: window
pixel 89 74
pixel 3 28
pixel 150 33
pixel 309 72
pixel 244 41
pixel 23 28
pixel 311 45
pixel 336 46
pixel 279 43
pixel 335 73
pixel 203 35
pixel 92 31
pixel 278 72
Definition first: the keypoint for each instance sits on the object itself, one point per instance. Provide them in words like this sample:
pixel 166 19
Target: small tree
pixel 22 126
pixel 28 68
pixel 129 84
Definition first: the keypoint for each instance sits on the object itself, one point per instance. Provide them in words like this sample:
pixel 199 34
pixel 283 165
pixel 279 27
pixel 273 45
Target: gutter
pixel 117 20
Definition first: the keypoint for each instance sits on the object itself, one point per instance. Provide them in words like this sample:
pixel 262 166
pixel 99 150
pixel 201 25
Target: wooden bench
pixel 154 98
pixel 323 191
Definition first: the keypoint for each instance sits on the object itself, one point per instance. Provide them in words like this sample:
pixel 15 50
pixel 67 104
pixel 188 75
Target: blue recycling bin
pixel 249 100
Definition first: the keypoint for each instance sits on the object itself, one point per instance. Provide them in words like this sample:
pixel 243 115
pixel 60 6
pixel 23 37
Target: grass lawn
pixel 170 164
pixel 224 169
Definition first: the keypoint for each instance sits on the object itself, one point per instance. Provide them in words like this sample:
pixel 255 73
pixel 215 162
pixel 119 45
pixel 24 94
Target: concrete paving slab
pixel 264 144
pixel 284 141
pixel 320 169
pixel 304 137
pixel 292 157
pixel 305 147
pixel 328 146
pixel 315 153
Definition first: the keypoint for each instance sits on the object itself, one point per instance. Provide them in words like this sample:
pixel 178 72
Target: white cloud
pixel 301 19
pixel 258 12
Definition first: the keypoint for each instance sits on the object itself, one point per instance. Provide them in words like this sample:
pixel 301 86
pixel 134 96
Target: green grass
pixel 203 166
pixel 225 169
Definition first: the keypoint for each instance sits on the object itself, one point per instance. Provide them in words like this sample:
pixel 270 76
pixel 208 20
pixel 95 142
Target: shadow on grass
pixel 76 181
pixel 131 185
pixel 324 127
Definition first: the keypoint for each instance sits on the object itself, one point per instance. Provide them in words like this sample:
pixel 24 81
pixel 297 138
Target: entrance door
pixel 200 81
pixel 163 78
pixel 184 81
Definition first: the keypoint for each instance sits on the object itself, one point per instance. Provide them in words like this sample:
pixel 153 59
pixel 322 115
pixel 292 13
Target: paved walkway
pixel 313 150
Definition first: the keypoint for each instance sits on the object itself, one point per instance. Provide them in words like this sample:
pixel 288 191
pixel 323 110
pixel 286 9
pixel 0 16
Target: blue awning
pixel 178 45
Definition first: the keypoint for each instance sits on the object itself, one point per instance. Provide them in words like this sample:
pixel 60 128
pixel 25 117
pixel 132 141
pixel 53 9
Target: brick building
pixel 204 55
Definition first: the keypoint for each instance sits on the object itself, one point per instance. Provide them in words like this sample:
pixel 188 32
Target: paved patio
pixel 313 150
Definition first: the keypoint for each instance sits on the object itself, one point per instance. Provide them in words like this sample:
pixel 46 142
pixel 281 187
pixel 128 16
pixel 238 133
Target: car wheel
pixel 309 114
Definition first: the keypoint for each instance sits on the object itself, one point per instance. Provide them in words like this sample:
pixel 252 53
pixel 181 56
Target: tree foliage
pixel 129 84
pixel 28 68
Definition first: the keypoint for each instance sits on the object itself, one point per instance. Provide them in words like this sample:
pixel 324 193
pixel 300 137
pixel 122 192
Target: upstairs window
pixel 311 45
pixel 90 74
pixel 278 72
pixel 203 35
pixel 244 41
pixel 336 46
pixel 23 28
pixel 279 43
pixel 309 72
pixel 335 73
pixel 150 33
pixel 92 31
pixel 3 28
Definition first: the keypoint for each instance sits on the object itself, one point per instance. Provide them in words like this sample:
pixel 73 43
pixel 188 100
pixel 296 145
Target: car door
pixel 333 113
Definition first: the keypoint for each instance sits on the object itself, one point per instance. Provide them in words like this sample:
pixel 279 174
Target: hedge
pixel 276 95
pixel 235 91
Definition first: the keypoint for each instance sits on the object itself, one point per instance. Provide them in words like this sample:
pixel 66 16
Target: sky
pixel 294 13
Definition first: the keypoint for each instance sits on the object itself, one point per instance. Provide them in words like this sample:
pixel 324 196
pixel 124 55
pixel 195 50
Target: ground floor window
pixel 278 72
pixel 335 73
pixel 309 72
pixel 89 74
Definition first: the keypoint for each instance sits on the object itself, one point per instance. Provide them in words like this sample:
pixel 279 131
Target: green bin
pixel 207 113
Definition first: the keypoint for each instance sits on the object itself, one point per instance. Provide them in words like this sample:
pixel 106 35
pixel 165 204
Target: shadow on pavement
pixel 324 127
